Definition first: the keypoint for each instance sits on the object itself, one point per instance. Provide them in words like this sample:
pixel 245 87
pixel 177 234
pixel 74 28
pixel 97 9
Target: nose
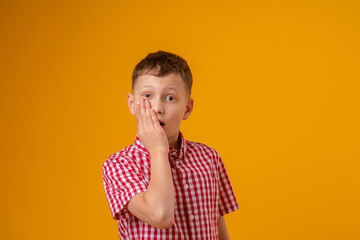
pixel 157 106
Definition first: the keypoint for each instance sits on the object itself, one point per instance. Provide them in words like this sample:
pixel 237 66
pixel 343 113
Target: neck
pixel 175 142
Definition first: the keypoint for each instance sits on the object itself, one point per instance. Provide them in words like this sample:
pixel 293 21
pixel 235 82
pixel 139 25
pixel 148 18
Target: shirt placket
pixel 184 186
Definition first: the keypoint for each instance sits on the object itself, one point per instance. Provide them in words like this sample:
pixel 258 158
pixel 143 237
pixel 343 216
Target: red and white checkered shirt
pixel 203 191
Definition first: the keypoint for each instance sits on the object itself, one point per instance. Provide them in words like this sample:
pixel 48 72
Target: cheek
pixel 175 115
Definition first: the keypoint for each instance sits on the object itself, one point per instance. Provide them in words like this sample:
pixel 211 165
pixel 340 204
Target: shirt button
pixel 186 186
pixel 192 217
pixel 177 162
pixel 174 153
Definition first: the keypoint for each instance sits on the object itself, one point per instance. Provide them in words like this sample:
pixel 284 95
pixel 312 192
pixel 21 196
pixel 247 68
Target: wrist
pixel 160 153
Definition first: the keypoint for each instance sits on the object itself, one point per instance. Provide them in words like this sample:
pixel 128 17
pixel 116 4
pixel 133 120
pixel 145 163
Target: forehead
pixel 170 81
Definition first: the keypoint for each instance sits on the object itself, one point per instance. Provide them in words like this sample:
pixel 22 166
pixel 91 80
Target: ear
pixel 189 108
pixel 130 101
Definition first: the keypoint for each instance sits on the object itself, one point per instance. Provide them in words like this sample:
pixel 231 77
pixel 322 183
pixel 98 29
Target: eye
pixel 170 98
pixel 146 95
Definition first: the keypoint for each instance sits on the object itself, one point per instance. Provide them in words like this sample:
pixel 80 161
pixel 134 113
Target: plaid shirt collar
pixel 172 151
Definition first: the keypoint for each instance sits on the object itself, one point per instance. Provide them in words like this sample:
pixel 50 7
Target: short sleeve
pixel 227 199
pixel 122 180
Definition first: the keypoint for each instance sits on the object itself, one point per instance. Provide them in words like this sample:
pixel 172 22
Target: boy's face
pixel 168 98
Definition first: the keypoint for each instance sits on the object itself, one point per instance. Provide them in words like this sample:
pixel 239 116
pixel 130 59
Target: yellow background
pixel 276 93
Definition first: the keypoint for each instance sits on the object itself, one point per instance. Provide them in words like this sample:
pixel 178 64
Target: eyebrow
pixel 170 88
pixel 146 86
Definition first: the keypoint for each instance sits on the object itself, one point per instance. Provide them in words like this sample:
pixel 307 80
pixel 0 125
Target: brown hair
pixel 165 63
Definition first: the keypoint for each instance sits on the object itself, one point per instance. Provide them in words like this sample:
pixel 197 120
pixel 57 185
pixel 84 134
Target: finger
pixel 149 121
pixel 143 114
pixel 138 117
pixel 155 119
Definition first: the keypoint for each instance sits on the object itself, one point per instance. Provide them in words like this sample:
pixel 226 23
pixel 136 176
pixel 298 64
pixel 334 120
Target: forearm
pixel 160 194
pixel 223 232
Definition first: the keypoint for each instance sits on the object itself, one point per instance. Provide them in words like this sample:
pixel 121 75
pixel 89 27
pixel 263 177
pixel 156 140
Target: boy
pixel 163 186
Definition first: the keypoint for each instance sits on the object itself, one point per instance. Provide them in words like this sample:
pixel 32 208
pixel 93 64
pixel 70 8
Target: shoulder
pixel 122 157
pixel 203 148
